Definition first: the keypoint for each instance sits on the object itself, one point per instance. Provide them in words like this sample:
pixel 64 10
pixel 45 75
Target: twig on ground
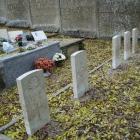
pixel 12 122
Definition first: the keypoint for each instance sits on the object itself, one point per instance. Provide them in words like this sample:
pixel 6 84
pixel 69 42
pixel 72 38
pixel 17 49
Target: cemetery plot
pixel 23 62
pixel 111 112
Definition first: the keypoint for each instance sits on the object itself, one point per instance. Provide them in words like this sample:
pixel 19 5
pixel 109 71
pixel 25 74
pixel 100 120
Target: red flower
pixel 44 63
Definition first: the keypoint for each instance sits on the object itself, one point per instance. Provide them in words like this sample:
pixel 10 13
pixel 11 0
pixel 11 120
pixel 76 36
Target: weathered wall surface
pixel 78 17
pixel 18 13
pixel 2 11
pixel 116 16
pixel 85 18
pixel 45 14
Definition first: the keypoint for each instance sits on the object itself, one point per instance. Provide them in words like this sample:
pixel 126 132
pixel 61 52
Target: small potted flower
pixel 46 64
pixel 18 39
pixel 19 42
pixel 59 58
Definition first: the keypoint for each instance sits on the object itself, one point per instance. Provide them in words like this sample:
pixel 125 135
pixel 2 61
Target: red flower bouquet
pixel 45 64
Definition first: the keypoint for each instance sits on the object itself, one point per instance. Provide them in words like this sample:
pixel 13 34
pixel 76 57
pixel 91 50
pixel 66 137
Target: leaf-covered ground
pixel 110 110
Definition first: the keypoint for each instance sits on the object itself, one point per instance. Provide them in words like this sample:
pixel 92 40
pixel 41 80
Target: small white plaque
pixel 39 35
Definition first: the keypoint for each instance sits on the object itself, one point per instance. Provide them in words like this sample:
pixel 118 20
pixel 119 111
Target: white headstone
pixel 39 35
pixel 127 45
pixel 13 34
pixel 79 73
pixel 31 88
pixel 134 40
pixel 116 45
pixel 4 33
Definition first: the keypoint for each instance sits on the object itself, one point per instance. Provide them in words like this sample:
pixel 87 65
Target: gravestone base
pixel 120 68
pixel 53 129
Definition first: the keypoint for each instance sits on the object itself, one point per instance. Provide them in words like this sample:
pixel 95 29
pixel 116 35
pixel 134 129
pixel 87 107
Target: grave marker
pixel 116 44
pixel 33 100
pixel 127 45
pixel 39 35
pixel 134 40
pixel 79 73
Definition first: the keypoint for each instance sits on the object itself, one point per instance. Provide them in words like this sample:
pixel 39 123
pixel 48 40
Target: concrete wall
pixel 18 13
pixel 116 16
pixel 85 18
pixel 2 11
pixel 78 17
pixel 45 14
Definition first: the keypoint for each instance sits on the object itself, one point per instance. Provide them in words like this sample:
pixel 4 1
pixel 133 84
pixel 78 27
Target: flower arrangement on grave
pixel 59 58
pixel 44 63
pixel 31 47
pixel 18 40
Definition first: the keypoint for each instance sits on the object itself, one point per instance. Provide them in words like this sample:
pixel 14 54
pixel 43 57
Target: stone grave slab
pixel 39 35
pixel 34 102
pixel 127 45
pixel 13 34
pixel 116 45
pixel 14 65
pixel 69 46
pixel 79 73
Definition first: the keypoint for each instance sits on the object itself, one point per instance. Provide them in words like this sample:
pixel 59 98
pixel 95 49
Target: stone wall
pixel 85 18
pixel 2 11
pixel 45 14
pixel 117 16
pixel 18 13
pixel 78 17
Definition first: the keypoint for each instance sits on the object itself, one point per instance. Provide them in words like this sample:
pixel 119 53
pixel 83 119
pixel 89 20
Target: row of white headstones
pixel 31 85
pixel 128 48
